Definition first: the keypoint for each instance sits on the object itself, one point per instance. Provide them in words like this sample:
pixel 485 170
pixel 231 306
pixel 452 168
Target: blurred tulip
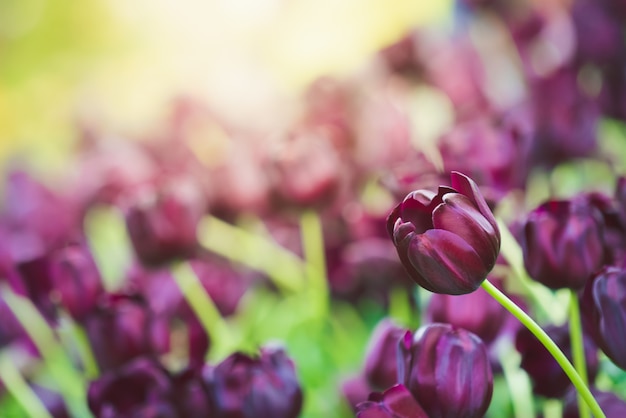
pixel 162 222
pixel 547 376
pixel 612 405
pixel 381 365
pixel 563 243
pixel 190 394
pixel 447 370
pixel 395 402
pixel 448 241
pixel 355 390
pixel 476 312
pixel 122 328
pixel 256 387
pixel 52 401
pixel 603 306
pixel 141 388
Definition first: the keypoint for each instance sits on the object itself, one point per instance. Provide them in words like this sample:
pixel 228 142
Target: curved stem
pixel 578 349
pixel 547 342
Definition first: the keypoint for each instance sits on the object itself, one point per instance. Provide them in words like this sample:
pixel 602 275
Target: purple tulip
pixel 612 405
pixel 190 394
pixel 447 370
pixel 356 389
pixel 476 312
pixel 381 365
pixel 259 387
pixel 547 377
pixel 563 243
pixel 603 307
pixel 448 241
pixel 122 328
pixel 141 388
pixel 162 223
pixel 395 402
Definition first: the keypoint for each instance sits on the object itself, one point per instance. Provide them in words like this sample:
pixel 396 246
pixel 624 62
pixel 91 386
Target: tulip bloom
pixel 563 243
pixel 395 402
pixel 447 370
pixel 381 368
pixel 603 307
pixel 448 241
pixel 261 387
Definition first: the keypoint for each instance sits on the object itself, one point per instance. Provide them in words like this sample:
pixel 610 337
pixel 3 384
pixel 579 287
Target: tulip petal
pixel 459 215
pixel 446 262
pixel 468 187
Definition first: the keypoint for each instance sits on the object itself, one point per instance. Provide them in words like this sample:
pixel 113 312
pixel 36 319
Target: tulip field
pixel 280 210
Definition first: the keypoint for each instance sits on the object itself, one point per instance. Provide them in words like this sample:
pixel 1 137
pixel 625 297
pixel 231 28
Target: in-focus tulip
pixel 141 388
pixel 563 243
pixel 547 377
pixel 448 241
pixel 395 402
pixel 256 387
pixel 381 365
pixel 603 308
pixel 447 370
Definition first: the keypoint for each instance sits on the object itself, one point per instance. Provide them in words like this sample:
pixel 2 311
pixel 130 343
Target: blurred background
pixel 121 64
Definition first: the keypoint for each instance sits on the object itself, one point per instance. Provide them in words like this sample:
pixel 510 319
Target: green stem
pixel 70 383
pixel 17 386
pixel 552 408
pixel 204 308
pixel 547 342
pixel 544 299
pixel 578 349
pixel 313 246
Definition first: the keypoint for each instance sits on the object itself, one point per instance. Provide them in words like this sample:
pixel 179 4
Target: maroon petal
pixel 468 187
pixel 447 262
pixel 459 215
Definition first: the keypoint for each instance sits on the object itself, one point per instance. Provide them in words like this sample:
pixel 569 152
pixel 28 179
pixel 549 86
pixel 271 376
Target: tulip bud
pixel 123 328
pixel 141 388
pixel 563 243
pixel 261 387
pixel 603 308
pixel 76 279
pixel 381 366
pixel 448 241
pixel 447 370
pixel 162 224
pixel 395 402
pixel 612 405
pixel 547 377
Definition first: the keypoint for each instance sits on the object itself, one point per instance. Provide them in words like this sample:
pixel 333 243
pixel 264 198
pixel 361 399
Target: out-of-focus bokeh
pixel 120 63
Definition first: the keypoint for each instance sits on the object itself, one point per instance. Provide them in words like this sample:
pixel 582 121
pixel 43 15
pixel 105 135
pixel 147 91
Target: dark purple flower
pixel 476 312
pixel 75 279
pixel 140 389
pixel 448 241
pixel 190 394
pixel 447 370
pixel 395 402
pixel 612 405
pixel 122 328
pixel 503 149
pixel 603 305
pixel 381 365
pixel 162 222
pixel 256 387
pixel 566 119
pixel 599 36
pixel 563 243
pixel 547 377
